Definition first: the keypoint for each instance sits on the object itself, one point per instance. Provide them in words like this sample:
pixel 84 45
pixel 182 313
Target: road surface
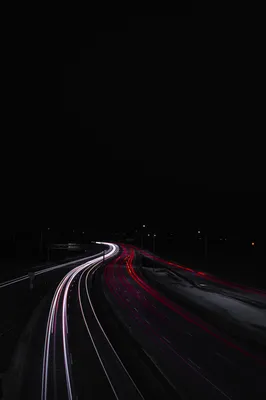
pixel 106 333
pixel 18 301
pixel 195 358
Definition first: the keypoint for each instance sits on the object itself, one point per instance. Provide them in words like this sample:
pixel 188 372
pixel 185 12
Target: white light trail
pixel 92 271
pixel 63 287
pixel 43 271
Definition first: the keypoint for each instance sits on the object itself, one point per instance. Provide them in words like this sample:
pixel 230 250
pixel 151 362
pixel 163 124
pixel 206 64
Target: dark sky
pixel 167 106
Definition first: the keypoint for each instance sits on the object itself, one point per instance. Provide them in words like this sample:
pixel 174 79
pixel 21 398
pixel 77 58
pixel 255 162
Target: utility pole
pixel 41 243
pixel 206 246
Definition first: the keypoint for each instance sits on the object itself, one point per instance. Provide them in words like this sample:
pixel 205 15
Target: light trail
pixel 62 293
pixel 93 342
pixel 49 269
pixel 204 275
pixel 179 310
pixel 127 376
pixel 151 331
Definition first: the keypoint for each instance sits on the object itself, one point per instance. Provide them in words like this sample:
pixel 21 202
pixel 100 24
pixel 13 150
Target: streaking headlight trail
pixel 57 328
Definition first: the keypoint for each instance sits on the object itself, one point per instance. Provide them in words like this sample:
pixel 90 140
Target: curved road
pixel 195 358
pixel 81 358
pixel 57 378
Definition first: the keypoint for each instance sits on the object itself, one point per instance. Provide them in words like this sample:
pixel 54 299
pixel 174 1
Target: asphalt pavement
pixel 194 356
pixel 104 332
pixel 69 354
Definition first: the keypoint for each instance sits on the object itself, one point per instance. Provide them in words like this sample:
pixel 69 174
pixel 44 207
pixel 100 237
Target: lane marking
pixel 199 373
pixel 196 365
pixel 51 324
pixel 160 370
pixel 224 358
pixel 110 344
pixel 92 340
pixel 167 340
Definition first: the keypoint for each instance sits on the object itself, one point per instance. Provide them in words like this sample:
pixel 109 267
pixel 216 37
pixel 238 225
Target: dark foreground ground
pixel 18 301
pixel 141 329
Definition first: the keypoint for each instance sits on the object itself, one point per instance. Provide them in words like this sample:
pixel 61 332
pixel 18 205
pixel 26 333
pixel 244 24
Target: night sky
pixel 159 145
pixel 168 108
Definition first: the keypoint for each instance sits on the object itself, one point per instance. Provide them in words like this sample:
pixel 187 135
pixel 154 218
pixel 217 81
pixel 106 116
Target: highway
pixel 105 332
pixel 18 302
pixel 204 276
pixel 57 378
pixel 23 278
pixel 194 357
